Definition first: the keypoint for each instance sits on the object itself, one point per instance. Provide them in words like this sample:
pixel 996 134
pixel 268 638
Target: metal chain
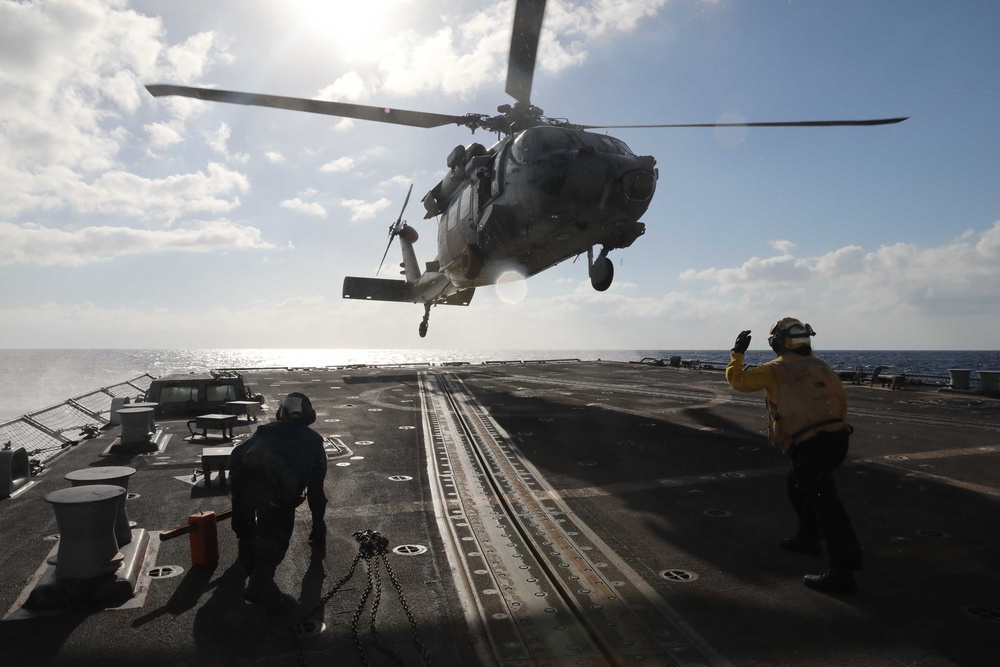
pixel 372 544
pixel 409 616
pixel 357 616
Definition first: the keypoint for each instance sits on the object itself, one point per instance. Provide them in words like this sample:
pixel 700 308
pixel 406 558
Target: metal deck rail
pixel 46 432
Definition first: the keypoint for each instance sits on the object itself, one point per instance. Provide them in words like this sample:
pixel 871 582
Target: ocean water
pixel 34 379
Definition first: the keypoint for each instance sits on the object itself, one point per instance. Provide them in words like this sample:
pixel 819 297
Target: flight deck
pixel 546 513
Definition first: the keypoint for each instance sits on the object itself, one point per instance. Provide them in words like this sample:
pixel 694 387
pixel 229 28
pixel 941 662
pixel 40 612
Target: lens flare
pixel 511 287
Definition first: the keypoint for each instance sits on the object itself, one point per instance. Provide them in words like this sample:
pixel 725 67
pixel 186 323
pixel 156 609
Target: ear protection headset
pixel 296 404
pixel 790 334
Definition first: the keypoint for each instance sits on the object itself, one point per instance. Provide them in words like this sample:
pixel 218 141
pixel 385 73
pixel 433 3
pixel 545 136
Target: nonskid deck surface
pixel 578 513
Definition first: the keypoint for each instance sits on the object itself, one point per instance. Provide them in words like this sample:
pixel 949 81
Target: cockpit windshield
pixel 605 143
pixel 537 141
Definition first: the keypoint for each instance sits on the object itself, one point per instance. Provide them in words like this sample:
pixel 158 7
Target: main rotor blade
pixel 528 16
pixel 358 111
pixel 796 123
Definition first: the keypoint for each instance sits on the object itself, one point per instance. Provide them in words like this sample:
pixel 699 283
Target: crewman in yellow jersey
pixel 806 412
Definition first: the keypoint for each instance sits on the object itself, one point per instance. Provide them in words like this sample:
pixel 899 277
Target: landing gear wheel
pixel 602 273
pixel 471 262
pixel 426 320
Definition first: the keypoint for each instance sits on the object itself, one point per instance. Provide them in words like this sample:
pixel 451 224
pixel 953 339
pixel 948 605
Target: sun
pixel 353 30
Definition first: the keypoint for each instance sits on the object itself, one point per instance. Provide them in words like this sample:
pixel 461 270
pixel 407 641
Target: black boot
pixel 832 581
pixel 261 588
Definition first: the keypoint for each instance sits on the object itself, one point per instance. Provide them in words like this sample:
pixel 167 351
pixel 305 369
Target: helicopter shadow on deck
pixel 930 558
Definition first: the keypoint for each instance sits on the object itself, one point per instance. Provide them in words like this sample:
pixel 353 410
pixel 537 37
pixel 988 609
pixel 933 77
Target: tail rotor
pixel 395 228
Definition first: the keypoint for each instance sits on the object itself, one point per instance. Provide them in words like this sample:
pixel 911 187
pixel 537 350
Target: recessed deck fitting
pixel 165 571
pixel 410 549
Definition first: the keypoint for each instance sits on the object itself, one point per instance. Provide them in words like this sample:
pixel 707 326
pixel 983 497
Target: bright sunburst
pixel 353 28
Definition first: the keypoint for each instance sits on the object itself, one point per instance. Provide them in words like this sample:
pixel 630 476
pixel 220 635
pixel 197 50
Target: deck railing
pixel 46 432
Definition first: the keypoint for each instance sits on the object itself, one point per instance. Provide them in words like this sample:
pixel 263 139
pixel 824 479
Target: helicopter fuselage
pixel 535 199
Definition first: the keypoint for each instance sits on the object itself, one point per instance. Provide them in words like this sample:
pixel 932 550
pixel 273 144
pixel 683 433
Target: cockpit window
pixel 533 143
pixel 605 143
pixel 537 141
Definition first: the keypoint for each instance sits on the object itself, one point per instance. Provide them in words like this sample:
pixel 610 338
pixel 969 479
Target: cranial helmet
pixel 296 408
pixel 790 334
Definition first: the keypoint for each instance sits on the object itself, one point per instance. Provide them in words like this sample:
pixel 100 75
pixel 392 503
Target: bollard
pixel 203 530
pixel 989 382
pixel 960 378
pixel 86 519
pixel 115 476
pixel 15 469
pixel 135 425
pixel 117 403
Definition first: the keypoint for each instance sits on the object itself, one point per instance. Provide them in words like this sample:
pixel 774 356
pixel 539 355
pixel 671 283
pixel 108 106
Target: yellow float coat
pixel 802 393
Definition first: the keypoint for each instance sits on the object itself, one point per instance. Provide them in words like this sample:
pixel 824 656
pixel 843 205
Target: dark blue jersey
pixel 287 458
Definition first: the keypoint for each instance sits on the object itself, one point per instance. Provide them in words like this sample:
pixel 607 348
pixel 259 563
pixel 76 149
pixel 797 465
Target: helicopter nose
pixel 639 185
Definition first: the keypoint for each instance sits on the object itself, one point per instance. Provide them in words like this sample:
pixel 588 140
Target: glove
pixel 742 342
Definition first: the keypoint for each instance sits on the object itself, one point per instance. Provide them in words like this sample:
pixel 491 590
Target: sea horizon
pixel 36 378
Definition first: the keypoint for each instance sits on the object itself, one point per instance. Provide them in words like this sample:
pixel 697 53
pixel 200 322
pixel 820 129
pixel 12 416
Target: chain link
pixel 372 546
pixel 409 616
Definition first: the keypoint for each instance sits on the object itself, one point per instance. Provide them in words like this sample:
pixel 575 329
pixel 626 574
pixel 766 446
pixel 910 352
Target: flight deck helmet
pixel 296 408
pixel 790 335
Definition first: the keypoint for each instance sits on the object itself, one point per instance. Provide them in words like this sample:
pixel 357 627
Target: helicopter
pixel 546 191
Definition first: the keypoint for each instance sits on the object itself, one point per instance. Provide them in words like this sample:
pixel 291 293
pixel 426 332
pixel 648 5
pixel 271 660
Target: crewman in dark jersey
pixel 270 472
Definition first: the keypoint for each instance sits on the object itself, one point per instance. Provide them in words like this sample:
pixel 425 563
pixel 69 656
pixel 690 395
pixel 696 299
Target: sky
pixel 133 222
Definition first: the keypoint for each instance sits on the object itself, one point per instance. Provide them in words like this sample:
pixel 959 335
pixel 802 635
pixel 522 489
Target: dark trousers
pixel 814 497
pixel 269 530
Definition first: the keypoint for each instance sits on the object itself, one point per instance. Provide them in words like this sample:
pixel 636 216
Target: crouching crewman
pixel 270 472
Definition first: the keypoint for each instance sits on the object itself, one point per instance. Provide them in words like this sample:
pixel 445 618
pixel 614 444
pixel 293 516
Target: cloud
pixel 470 52
pixel 69 73
pixel 955 279
pixel 162 135
pixel 348 88
pixel 274 157
pixel 300 206
pixel 364 210
pixel 191 58
pixel 394 181
pixel 339 165
pixel 124 193
pixel 782 246
pixel 219 142
pixel 44 246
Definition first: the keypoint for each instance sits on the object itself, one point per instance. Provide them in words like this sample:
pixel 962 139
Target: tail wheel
pixel 471 262
pixel 602 273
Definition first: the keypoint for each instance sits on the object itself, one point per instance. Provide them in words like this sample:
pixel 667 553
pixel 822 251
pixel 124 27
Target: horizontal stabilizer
pixel 376 289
